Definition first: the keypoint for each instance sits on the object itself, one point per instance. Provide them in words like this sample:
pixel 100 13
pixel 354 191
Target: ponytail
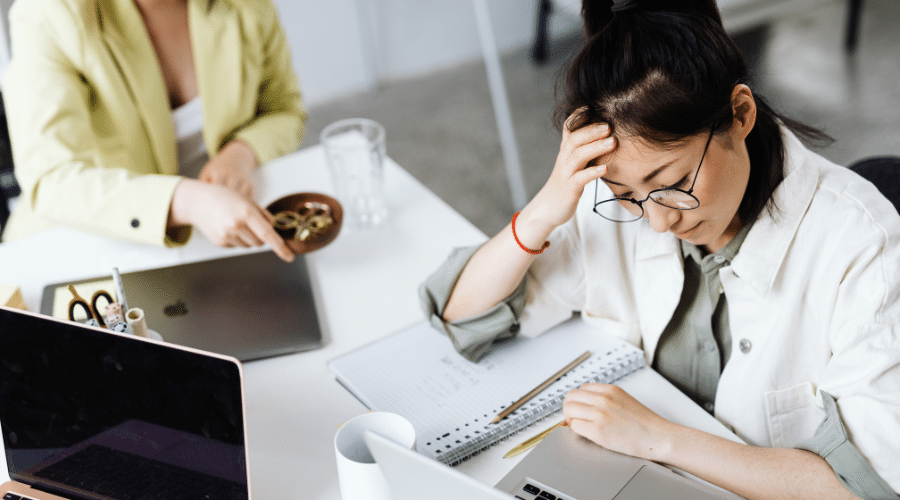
pixel 598 13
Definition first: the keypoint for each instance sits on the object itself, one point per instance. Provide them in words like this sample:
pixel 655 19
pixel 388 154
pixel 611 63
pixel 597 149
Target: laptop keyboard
pixel 126 476
pixel 530 489
pixel 13 496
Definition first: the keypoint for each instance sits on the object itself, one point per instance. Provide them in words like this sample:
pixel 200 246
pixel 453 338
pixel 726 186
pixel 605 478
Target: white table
pixel 366 288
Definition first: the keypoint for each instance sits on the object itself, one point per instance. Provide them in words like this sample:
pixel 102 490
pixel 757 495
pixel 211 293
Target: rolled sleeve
pixel 471 337
pixel 831 442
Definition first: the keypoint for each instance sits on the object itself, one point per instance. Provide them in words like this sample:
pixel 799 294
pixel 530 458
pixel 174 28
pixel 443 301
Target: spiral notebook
pixel 451 401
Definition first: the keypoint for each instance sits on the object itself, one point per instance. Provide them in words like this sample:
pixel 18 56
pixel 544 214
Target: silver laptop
pixel 91 414
pixel 248 306
pixel 563 466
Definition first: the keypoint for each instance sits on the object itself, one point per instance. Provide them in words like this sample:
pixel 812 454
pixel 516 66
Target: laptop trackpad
pixel 663 483
pixel 575 466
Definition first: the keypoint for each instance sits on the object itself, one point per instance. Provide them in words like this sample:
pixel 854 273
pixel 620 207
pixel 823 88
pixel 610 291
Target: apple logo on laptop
pixel 179 308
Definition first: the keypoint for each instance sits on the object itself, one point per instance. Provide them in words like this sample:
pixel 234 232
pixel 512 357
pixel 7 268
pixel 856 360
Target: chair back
pixel 884 172
pixel 9 188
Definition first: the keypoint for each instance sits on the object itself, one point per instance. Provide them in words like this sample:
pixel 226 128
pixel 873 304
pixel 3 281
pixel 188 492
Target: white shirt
pixel 812 296
pixel 188 122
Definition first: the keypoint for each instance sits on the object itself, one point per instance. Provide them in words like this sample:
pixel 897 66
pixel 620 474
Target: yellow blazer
pixel 89 117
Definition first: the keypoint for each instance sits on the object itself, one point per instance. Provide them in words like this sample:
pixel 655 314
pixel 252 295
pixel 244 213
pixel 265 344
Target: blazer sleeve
pixel 64 177
pixel 280 123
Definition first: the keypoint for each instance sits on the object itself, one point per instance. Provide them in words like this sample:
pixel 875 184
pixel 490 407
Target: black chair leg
pixel 539 51
pixel 853 14
pixel 4 212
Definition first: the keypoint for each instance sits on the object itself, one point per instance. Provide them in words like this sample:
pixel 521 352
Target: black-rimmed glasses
pixel 621 209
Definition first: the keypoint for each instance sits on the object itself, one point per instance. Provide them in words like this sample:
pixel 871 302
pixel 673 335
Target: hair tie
pixel 623 5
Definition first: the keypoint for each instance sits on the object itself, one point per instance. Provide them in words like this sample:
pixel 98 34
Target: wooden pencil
pixel 537 390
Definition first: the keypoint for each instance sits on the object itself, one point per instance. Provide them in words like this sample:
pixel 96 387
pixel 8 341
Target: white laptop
pixel 563 466
pixel 88 414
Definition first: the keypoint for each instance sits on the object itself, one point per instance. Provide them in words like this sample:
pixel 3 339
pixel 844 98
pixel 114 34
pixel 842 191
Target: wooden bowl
pixel 309 204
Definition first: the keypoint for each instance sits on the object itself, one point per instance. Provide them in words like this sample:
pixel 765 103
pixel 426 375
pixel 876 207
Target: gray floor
pixel 441 128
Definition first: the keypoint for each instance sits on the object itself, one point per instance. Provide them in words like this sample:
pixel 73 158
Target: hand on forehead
pixel 637 161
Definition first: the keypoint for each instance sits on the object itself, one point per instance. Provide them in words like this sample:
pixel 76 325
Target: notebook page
pixel 451 401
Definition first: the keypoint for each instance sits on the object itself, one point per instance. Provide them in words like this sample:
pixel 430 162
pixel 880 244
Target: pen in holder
pixel 135 318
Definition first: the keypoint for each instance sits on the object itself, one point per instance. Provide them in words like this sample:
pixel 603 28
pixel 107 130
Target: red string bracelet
pixel 523 247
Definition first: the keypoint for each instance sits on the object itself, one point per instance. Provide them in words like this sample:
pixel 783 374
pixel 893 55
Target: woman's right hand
pixel 497 268
pixel 226 218
pixel 555 203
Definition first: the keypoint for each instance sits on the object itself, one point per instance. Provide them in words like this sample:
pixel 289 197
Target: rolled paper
pixel 135 319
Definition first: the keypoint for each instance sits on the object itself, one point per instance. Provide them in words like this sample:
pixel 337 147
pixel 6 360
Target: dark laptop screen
pixel 82 409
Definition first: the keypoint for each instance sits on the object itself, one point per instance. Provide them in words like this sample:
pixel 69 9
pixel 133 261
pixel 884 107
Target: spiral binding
pixel 526 416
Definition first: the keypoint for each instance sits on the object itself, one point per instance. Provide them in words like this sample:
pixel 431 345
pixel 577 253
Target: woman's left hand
pixel 610 417
pixel 233 167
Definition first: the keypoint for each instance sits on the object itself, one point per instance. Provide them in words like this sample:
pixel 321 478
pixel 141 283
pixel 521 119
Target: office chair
pixel 884 172
pixel 737 16
pixel 9 188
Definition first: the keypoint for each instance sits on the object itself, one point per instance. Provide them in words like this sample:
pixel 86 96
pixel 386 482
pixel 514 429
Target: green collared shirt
pixel 696 344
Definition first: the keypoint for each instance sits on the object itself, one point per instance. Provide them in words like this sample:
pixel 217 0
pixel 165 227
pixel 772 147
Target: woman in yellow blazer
pixel 90 93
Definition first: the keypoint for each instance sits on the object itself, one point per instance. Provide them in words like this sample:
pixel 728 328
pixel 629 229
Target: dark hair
pixel 664 70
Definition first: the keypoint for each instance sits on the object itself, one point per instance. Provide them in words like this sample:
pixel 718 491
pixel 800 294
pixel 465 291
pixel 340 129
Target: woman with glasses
pixel 684 215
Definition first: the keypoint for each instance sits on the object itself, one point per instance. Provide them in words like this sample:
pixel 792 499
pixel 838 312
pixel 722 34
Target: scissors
pixel 91 309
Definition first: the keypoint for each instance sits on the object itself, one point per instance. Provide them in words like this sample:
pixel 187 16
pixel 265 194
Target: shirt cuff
pixel 830 442
pixel 471 337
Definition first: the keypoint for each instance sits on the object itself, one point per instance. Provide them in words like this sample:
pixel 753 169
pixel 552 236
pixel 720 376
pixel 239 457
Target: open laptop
pixel 92 414
pixel 563 466
pixel 247 306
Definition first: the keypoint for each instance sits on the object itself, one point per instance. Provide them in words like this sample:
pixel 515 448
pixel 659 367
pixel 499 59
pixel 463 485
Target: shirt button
pixel 709 407
pixel 135 223
pixel 745 346
pixel 719 259
pixel 710 346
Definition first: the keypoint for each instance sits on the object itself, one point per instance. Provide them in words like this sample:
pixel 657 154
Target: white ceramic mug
pixel 359 476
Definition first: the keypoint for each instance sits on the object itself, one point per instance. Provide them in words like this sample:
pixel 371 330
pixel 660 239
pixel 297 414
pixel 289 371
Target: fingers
pixel 572 120
pixel 583 146
pixel 246 237
pixel 262 228
pixel 589 174
pixel 585 135
pixel 596 392
pixel 230 177
pixel 590 142
pixel 587 429
pixel 591 400
pixel 239 185
pixel 242 224
pixel 592 410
